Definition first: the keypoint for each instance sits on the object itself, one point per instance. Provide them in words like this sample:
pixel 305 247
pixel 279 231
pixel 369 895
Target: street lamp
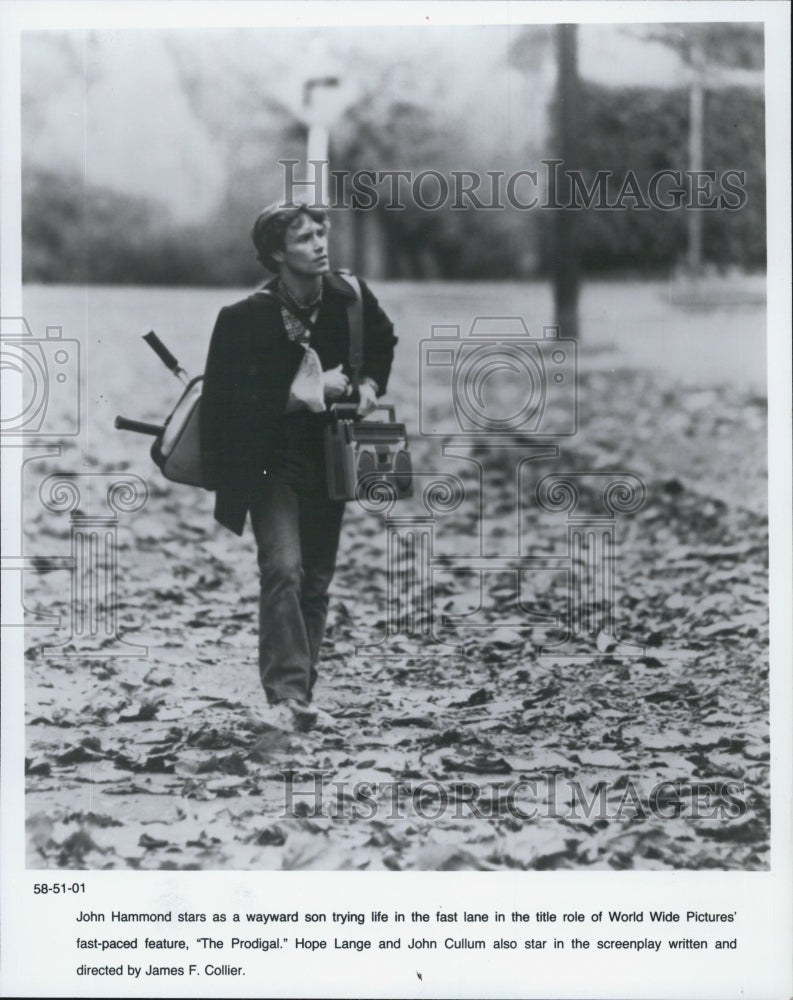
pixel 324 100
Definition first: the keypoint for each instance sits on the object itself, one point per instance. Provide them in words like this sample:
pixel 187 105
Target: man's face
pixel 305 251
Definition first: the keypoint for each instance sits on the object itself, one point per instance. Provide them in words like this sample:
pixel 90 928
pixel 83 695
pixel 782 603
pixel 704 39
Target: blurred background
pixel 147 154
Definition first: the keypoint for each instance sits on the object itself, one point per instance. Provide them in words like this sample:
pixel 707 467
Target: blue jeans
pixel 297 532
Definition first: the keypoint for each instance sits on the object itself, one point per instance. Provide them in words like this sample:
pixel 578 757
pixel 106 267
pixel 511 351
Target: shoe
pixel 272 717
pixel 310 717
pixel 303 716
pixel 324 720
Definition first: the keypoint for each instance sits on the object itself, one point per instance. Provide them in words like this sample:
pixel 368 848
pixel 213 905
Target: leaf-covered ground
pixel 493 756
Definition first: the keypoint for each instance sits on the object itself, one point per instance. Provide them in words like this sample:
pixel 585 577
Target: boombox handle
pixel 347 410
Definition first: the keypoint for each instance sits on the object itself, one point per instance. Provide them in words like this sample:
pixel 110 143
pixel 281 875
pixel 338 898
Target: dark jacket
pixel 250 367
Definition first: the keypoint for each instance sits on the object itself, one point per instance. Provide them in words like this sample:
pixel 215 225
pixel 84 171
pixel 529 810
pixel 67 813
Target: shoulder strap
pixel 264 292
pixel 355 319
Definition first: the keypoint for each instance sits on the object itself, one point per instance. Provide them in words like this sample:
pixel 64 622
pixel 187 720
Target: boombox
pixel 360 454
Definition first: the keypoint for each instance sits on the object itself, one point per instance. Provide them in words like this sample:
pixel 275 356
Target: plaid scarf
pixel 298 326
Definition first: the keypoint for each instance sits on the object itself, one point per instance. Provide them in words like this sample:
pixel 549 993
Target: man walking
pixel 276 361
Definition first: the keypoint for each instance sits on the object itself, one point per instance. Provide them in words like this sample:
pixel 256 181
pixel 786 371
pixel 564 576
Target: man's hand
pixel 368 397
pixel 335 383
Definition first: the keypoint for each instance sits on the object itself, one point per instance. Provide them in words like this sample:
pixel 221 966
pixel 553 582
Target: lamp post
pixel 324 99
pixel 696 152
pixel 705 77
pixel 318 101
